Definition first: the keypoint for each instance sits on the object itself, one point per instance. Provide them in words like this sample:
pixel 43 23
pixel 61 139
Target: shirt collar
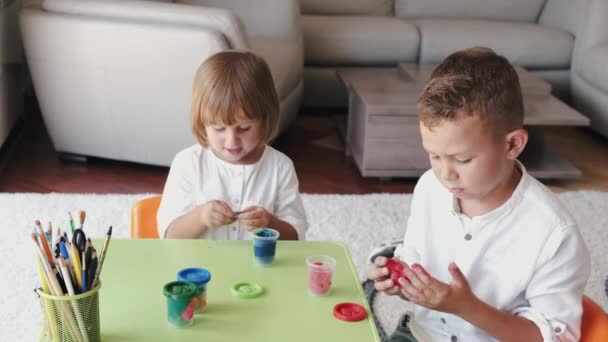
pixel 231 166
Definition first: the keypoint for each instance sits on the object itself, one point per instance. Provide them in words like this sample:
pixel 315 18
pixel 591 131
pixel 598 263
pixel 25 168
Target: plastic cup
pixel 199 277
pixel 264 245
pixel 320 271
pixel 180 303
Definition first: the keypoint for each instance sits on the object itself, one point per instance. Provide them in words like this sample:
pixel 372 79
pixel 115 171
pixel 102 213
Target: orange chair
pixel 143 218
pixel 594 327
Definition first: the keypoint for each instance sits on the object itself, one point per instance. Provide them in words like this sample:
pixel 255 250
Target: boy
pixel 489 252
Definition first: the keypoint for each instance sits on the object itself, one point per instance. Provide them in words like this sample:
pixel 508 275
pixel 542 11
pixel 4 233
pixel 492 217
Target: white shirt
pixel 525 257
pixel 197 176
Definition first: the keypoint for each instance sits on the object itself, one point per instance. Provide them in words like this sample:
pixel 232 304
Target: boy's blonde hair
pixel 474 82
pixel 229 84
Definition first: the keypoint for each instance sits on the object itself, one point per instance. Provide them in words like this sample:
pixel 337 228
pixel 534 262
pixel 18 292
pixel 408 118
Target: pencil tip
pixel 110 231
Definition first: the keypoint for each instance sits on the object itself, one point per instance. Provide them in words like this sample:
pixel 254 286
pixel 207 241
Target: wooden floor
pixel 28 162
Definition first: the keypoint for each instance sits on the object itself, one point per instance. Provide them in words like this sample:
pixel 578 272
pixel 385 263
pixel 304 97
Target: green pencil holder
pixel 70 318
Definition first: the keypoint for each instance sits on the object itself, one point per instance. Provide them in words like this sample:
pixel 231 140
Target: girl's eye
pixel 219 128
pixel 434 157
pixel 244 129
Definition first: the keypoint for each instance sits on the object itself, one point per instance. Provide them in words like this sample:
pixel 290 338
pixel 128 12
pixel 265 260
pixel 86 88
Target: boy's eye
pixel 434 157
pixel 244 128
pixel 464 161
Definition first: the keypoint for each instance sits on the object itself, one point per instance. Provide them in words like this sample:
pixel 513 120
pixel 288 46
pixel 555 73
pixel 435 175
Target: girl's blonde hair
pixel 230 84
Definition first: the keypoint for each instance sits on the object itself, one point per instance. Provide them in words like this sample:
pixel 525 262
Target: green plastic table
pixel 133 307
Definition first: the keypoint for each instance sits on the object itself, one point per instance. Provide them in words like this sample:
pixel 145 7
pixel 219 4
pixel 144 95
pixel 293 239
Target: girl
pixel 232 182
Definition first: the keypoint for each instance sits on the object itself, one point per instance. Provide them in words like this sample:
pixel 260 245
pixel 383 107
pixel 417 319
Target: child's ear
pixel 516 142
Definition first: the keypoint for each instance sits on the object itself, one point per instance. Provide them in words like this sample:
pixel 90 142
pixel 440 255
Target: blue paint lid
pixel 198 276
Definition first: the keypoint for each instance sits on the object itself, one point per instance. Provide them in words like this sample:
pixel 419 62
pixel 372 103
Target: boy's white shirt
pixel 525 257
pixel 197 176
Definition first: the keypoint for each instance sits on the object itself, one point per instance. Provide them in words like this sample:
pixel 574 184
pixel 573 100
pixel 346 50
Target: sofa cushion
pixel 359 40
pixel 593 66
pixel 528 45
pixel 285 62
pixel 515 10
pixel 282 22
pixel 347 7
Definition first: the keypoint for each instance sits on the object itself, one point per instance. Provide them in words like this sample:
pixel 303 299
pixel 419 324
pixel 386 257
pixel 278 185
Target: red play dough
pixel 319 281
pixel 189 312
pixel 396 269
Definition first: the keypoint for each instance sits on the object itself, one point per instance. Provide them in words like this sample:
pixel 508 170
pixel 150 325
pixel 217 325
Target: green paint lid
pixel 247 290
pixel 180 289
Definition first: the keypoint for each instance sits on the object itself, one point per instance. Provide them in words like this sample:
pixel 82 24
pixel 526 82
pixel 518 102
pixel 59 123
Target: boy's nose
pixel 447 173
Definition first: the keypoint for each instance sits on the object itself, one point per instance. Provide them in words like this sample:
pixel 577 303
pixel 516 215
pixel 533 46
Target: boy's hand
pixel 380 274
pixel 216 214
pixel 255 217
pixel 431 293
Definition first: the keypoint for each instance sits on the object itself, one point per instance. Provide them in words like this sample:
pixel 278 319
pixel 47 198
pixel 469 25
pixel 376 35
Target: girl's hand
pixel 379 273
pixel 255 217
pixel 216 214
pixel 431 293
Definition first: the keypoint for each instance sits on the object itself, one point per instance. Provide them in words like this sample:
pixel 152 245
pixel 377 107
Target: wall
pixel 11 67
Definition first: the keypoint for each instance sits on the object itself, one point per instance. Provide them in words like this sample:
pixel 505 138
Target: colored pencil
pixel 45 243
pixel 77 313
pixel 72 223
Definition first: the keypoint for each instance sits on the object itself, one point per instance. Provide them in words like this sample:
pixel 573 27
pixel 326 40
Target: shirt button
pixel 468 237
pixel 442 320
pixel 236 200
pixel 234 228
pixel 558 330
pixel 453 338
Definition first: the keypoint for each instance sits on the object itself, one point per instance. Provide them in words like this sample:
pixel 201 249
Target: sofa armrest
pixel 594 66
pixel 217 19
pixel 593 32
pixel 274 19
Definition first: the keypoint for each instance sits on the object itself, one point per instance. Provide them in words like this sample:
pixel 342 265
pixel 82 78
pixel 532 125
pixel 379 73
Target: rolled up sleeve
pixel 555 291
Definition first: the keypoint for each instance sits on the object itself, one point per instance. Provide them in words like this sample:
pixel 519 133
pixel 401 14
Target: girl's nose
pixel 231 137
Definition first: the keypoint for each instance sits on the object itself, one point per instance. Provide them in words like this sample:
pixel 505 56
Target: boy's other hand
pixel 380 274
pixel 216 214
pixel 431 293
pixel 255 217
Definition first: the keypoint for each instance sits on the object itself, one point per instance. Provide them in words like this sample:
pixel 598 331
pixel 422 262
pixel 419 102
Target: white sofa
pixel 11 68
pixel 563 41
pixel 114 77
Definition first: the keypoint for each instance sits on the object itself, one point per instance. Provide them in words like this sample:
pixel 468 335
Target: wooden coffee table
pixel 382 131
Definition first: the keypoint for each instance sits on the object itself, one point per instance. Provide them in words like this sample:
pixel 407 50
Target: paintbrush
pixel 102 258
pixel 81 216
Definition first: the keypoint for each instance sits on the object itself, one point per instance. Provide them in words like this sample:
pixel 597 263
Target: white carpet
pixel 360 221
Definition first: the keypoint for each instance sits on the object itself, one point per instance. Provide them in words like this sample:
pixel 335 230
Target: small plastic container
pixel 180 303
pixel 320 272
pixel 264 245
pixel 199 277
